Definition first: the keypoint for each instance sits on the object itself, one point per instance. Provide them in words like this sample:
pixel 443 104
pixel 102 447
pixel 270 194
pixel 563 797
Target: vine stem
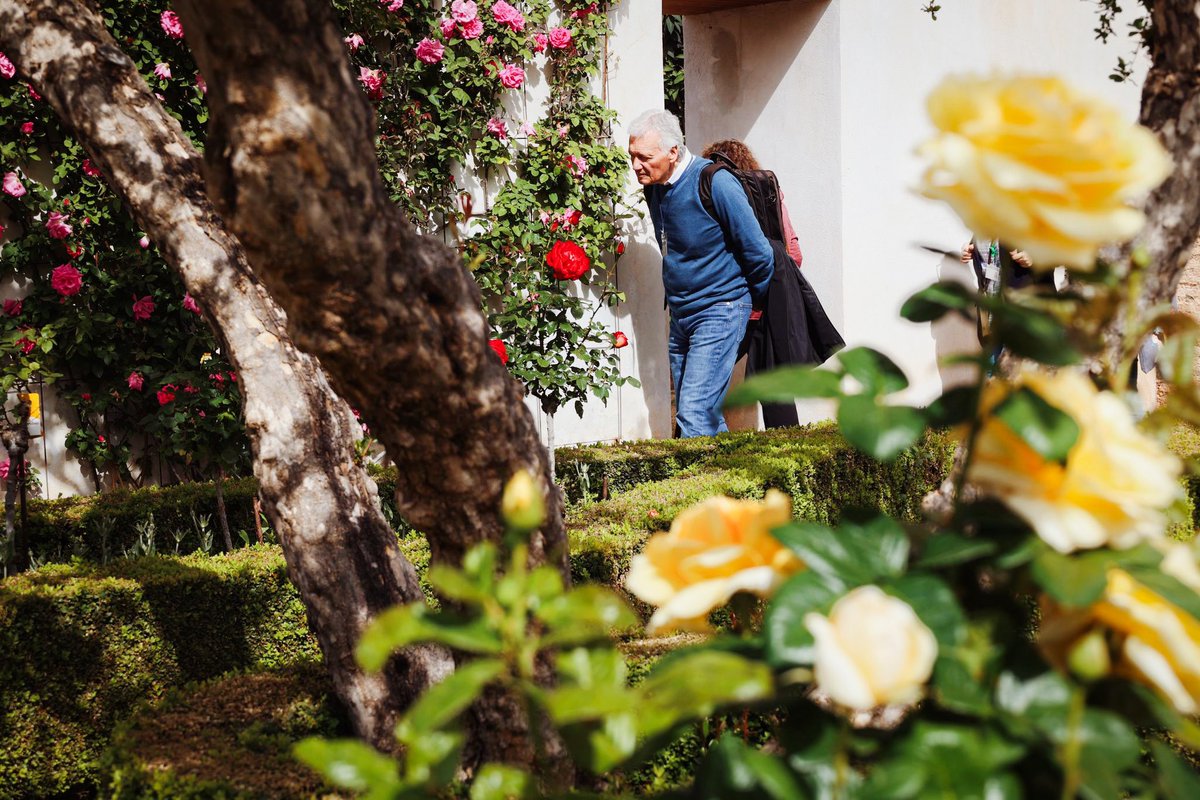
pixel 841 762
pixel 1073 747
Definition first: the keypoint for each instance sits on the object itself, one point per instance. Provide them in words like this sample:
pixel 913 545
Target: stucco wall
pixel 830 95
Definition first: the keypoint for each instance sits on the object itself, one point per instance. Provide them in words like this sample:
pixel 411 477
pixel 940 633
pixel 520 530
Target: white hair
pixel 660 121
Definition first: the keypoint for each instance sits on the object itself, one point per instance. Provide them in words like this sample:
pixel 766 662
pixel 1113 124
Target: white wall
pixel 830 94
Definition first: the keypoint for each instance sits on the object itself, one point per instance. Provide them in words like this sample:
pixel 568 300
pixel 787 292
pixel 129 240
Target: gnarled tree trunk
pixel 341 553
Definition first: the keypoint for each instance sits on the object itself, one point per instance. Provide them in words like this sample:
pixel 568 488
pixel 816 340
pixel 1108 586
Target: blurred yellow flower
pixel 522 505
pixel 1113 486
pixel 1030 161
pixel 713 551
pixel 872 650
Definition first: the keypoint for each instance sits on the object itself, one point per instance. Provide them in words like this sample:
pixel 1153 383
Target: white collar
pixel 680 166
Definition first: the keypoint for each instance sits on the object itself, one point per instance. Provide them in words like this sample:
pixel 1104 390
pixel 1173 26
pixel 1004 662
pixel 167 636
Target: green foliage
pixel 82 646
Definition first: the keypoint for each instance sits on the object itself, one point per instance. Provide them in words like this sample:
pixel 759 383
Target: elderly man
pixel 714 270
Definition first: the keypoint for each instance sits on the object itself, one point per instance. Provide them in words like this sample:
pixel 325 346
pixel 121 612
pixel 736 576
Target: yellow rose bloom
pixel 1031 162
pixel 1113 486
pixel 713 551
pixel 1162 641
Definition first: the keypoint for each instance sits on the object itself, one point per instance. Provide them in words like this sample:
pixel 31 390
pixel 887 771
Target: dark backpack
pixel 762 190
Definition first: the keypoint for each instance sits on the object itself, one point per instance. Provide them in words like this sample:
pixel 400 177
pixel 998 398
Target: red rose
pixel 166 394
pixel 568 261
pixel 620 248
pixel 620 340
pixel 12 308
pixel 500 349
pixel 86 397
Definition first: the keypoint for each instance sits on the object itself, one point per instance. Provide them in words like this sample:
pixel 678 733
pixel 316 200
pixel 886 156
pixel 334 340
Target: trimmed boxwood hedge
pixel 81 646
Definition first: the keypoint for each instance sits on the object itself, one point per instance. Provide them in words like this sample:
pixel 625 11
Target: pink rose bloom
pixel 26 128
pixel 489 40
pixel 7 70
pixel 201 84
pixel 144 242
pixel 527 129
pixel 512 76
pixel 571 217
pixel 505 14
pixel 544 216
pixel 190 304
pixel 560 38
pixel 472 29
pixel 449 27
pixel 142 308
pixel 583 12
pixel 372 80
pixel 66 280
pixel 136 381
pixel 498 128
pixel 12 185
pixel 430 51
pixel 12 308
pixel 577 164
pixel 540 40
pixel 563 130
pixel 163 71
pixel 353 41
pixel 89 169
pixel 392 5
pixel 33 92
pixel 57 226
pixel 463 11
pixel 171 25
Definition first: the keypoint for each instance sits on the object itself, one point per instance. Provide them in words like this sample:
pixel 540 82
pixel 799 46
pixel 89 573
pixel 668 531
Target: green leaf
pixel 955 407
pixel 455 584
pixel 583 615
pixel 934 302
pixel 955 689
pixel 881 431
pixel 935 604
pixel 695 685
pixel 405 625
pixel 785 384
pixel 502 782
pixel 444 701
pixel 788 642
pixel 1076 579
pixel 351 764
pixel 1177 780
pixel 1032 334
pixel 733 769
pixel 854 554
pixel 877 373
pixel 947 548
pixel 1050 432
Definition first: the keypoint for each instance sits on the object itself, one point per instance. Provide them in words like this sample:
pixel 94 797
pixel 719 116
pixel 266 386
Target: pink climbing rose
pixel 171 25
pixel 190 303
pixel 89 169
pixel 7 70
pixel 57 226
pixel 163 70
pixel 560 38
pixel 498 128
pixel 512 76
pixel 392 5
pixel 26 128
pixel 136 381
pixel 472 29
pixel 12 185
pixel 430 51
pixel 66 280
pixel 540 40
pixel 463 11
pixel 142 308
pixel 372 80
pixel 353 41
pixel 505 14
pixel 449 27
pixel 12 308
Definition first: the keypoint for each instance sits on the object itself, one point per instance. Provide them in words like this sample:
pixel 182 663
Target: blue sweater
pixel 701 266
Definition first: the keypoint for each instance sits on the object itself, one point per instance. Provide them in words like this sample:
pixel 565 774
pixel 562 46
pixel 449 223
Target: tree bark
pixel 341 553
pixel 393 316
pixel 1170 108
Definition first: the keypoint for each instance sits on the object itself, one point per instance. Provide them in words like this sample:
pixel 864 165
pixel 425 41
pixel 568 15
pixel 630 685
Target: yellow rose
pixel 713 551
pixel 1111 490
pixel 1044 169
pixel 872 650
pixel 1162 641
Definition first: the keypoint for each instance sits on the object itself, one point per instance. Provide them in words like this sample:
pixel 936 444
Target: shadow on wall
pixel 647 319
pixel 953 335
pixel 742 83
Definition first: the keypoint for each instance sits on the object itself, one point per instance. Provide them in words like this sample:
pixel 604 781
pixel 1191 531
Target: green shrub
pixel 229 738
pixel 81 646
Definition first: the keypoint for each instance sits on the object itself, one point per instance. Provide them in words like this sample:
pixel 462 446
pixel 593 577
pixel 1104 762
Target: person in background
pixel 737 152
pixel 713 269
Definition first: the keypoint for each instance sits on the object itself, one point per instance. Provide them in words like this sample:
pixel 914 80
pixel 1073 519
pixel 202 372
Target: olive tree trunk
pixel 341 553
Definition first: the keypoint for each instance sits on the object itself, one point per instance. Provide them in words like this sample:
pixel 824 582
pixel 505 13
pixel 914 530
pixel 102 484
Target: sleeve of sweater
pixel 750 247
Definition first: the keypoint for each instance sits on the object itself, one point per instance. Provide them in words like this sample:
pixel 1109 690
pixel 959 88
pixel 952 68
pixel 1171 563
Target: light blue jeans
pixel 703 347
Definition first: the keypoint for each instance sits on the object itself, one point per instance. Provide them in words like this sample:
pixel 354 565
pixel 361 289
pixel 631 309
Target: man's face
pixel 651 163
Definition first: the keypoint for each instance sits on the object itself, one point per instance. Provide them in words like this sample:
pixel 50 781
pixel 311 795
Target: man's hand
pixel 1022 258
pixel 967 252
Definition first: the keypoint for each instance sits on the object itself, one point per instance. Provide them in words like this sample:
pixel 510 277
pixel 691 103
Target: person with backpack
pixel 716 266
pixel 791 327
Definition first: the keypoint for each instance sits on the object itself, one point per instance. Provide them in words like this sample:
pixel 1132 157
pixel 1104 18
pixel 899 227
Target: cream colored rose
pixel 872 650
pixel 713 551
pixel 1111 490
pixel 1044 169
pixel 1162 641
